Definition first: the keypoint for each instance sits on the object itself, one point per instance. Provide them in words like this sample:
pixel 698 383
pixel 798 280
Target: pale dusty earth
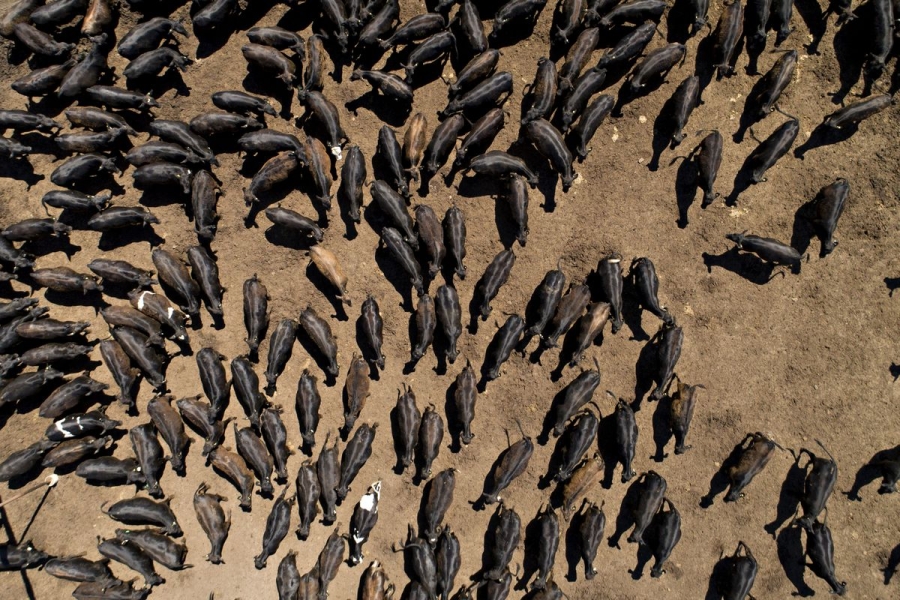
pixel 801 357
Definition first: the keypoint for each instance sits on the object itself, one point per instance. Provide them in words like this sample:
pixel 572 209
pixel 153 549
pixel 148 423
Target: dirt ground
pixel 801 357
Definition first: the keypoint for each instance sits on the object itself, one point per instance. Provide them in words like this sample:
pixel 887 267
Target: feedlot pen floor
pixel 800 357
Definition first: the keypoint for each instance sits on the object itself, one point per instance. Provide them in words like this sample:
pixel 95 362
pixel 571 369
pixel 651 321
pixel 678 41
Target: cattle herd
pixel 67 44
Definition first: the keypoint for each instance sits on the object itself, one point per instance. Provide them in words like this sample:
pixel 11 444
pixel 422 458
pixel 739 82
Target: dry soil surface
pixel 802 357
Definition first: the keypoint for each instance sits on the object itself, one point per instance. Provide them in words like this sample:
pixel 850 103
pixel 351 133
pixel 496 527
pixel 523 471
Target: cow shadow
pixel 645 371
pixel 720 479
pixel 19 169
pixel 871 471
pixel 486 558
pixel 788 499
pixel 118 238
pixel 550 418
pixel 632 312
pixel 284 237
pixel 703 64
pixel 555 462
pixel 791 556
pixel 743 180
pixel 625 518
pixel 606 443
pixel 506 226
pixel 849 52
pixel 824 135
pixel 686 185
pixel 368 352
pixel 412 332
pixel 721 571
pixel 662 429
pixel 273 195
pixel 746 265
pixel 454 423
pixel 321 283
pixel 750 113
pixel 386 109
pixel 816 22
pixel 157 85
pixel 679 20
pixel 316 354
pixel 573 544
pixel 533 540
pixel 892 283
pixel 397 442
pixel 663 129
pixel 644 553
pixel 163 195
pixel 49 245
pixel 344 203
pixel 257 83
pixel 510 36
pixel 802 232
pixel 396 276
pixel 891 567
